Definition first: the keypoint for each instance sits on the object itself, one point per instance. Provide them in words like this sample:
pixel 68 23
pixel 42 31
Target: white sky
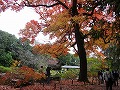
pixel 12 22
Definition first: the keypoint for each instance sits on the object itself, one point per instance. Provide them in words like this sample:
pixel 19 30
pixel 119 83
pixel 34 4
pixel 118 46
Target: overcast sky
pixel 12 22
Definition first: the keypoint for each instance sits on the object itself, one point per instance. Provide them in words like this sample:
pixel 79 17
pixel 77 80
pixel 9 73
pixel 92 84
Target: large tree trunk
pixel 80 45
pixel 82 53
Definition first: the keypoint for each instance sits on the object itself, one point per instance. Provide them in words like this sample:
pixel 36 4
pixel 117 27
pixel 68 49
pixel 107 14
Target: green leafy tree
pixel 68 59
pixel 5 59
pixel 94 64
pixel 113 55
pixel 6 40
pixel 12 48
pixel 22 51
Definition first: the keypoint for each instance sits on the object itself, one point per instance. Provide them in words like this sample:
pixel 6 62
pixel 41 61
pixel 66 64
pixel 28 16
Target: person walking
pixel 48 74
pixel 116 77
pixel 108 79
pixel 100 77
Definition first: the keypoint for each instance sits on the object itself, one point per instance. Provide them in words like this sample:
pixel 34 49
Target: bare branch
pixel 62 4
pixel 73 44
pixel 47 6
pixel 29 5
pixel 75 50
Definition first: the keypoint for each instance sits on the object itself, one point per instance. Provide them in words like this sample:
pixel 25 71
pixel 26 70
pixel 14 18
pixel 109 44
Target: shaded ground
pixel 62 85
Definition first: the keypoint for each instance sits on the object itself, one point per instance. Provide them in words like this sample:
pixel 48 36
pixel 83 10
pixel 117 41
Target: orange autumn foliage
pixel 54 50
pixel 49 16
pixel 61 11
pixel 31 31
pixel 21 76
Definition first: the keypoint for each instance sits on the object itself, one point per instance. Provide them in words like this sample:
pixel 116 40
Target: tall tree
pixel 85 23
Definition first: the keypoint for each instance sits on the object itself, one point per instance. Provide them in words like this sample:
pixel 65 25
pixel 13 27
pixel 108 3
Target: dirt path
pixel 62 85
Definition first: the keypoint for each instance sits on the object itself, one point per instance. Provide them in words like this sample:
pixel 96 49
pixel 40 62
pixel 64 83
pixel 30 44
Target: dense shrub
pixel 5 69
pixel 67 74
pixel 22 76
pixel 70 74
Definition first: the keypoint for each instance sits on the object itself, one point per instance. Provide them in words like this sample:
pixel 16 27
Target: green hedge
pixel 66 74
pixel 5 69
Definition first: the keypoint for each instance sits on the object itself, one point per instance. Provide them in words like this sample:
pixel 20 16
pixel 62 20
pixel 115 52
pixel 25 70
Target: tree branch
pixel 29 5
pixel 104 39
pixel 73 44
pixel 62 4
pixel 75 50
pixel 57 3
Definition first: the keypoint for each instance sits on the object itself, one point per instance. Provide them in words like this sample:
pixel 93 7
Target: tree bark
pixel 82 54
pixel 80 45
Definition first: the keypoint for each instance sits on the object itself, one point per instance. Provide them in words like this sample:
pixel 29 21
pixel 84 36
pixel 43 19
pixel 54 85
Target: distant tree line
pixel 12 49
